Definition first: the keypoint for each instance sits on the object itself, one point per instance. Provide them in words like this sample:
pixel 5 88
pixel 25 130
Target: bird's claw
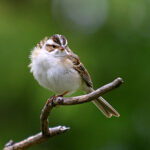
pixel 50 100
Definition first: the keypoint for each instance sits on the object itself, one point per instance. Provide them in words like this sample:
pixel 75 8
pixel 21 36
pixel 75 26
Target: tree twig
pixel 50 104
pixel 36 139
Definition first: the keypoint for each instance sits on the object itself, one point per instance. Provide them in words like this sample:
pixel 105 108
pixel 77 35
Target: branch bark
pixel 47 132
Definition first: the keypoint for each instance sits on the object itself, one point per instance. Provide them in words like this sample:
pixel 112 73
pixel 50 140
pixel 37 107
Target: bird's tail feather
pixel 105 107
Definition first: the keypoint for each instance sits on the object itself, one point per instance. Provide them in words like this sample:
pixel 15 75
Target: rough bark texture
pixel 47 132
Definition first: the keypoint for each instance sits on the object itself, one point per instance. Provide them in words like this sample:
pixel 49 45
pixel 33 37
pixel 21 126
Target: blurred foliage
pixel 117 44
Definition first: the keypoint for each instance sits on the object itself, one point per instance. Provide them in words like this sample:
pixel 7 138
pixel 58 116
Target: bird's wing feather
pixel 84 74
pixel 79 67
pixel 101 103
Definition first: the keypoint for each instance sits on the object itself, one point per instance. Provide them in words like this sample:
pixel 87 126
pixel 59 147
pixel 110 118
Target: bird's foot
pixel 51 99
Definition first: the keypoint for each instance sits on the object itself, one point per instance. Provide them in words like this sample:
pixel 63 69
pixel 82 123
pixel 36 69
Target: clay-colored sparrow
pixel 58 69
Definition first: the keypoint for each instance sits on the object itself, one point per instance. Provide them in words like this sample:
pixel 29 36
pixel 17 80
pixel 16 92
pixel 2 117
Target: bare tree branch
pixel 50 104
pixel 35 139
pixel 88 97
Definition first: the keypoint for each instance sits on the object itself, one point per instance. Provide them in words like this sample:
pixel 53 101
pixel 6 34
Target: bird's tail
pixel 105 107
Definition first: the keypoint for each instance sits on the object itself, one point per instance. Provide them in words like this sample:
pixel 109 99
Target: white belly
pixel 60 80
pixel 55 76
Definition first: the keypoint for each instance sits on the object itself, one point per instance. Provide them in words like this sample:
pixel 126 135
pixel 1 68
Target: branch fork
pixel 47 132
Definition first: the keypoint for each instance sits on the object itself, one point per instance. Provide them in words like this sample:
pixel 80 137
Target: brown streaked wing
pixel 78 66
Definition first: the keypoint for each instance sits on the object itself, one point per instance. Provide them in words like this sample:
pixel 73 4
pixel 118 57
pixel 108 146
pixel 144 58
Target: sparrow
pixel 56 67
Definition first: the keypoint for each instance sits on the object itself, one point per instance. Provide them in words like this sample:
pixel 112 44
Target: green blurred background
pixel 112 39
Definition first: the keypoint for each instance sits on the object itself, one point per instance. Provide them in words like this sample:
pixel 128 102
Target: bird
pixel 57 68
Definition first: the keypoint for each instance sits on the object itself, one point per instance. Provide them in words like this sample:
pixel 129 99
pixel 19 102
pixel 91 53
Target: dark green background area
pixel 120 47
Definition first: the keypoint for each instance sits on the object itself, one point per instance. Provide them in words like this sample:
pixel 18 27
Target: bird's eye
pixel 49 47
pixel 54 46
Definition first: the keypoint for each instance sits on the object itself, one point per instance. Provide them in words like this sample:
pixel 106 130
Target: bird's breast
pixel 56 74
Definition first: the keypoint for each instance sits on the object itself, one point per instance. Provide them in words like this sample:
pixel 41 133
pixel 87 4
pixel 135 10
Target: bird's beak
pixel 62 48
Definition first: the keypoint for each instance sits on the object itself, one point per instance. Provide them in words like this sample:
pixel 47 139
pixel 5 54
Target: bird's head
pixel 56 45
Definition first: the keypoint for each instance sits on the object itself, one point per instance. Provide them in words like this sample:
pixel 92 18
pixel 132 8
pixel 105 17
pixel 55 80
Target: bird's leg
pixel 62 95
